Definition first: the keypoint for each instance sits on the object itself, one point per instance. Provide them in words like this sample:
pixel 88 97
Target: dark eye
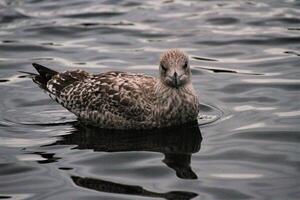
pixel 163 68
pixel 185 65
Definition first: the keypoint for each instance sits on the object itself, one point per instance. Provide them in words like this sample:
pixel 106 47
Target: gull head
pixel 174 68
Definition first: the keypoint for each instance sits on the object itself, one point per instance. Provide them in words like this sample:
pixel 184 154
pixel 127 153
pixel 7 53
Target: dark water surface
pixel 245 59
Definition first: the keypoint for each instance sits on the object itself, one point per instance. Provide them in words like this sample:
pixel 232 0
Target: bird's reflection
pixel 117 188
pixel 177 144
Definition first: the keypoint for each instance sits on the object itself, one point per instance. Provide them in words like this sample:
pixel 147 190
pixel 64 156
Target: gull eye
pixel 163 67
pixel 185 65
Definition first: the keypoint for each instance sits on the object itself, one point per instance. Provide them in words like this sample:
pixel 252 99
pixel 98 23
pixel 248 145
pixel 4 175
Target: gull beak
pixel 175 80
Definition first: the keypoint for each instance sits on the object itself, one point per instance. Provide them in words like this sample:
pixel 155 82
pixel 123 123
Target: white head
pixel 174 68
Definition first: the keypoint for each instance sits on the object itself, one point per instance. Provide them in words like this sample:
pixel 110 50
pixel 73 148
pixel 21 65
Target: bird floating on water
pixel 122 100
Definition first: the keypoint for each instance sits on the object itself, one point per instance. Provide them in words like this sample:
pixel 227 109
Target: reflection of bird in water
pixel 117 188
pixel 177 144
pixel 120 100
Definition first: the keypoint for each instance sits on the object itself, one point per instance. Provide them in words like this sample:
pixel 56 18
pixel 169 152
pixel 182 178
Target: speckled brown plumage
pixel 120 100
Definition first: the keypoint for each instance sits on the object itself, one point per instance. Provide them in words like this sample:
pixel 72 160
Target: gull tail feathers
pixel 45 74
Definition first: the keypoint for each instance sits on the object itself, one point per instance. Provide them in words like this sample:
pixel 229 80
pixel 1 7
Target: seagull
pixel 122 100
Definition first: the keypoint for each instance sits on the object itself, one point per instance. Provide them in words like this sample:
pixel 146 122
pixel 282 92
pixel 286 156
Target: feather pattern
pixel 120 100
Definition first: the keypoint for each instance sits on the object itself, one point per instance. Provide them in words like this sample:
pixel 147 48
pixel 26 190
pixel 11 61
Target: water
pixel 245 59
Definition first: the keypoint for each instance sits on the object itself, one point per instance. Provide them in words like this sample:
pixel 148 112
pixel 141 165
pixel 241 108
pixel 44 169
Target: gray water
pixel 245 64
